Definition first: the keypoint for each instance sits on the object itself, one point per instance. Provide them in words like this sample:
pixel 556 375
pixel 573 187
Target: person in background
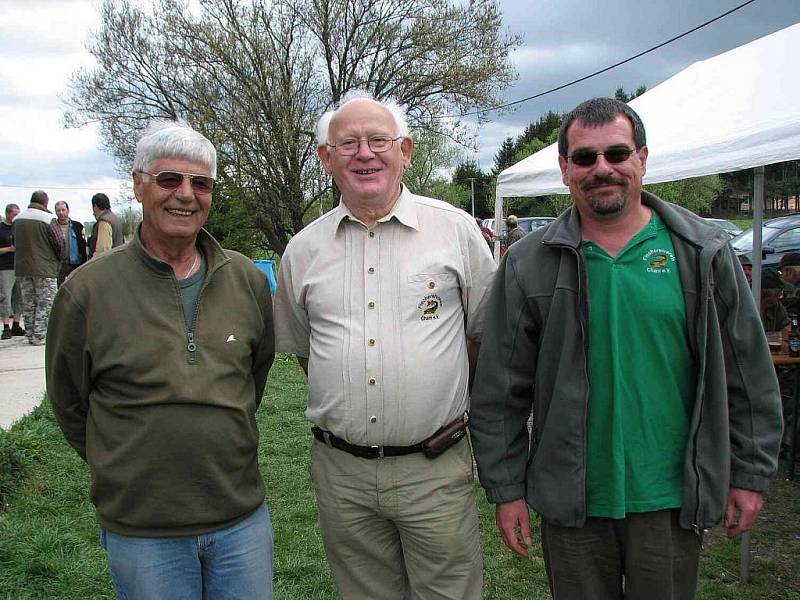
pixel 10 300
pixel 514 232
pixel 107 231
pixel 39 248
pixel 773 314
pixel 75 244
pixel 747 267
pixel 485 233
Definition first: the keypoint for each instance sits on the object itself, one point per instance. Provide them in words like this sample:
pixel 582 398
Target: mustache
pixel 600 180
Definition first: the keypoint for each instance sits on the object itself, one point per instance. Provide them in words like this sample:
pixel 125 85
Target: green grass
pixel 49 547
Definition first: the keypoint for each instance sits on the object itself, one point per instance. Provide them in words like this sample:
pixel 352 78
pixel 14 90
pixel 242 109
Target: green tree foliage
pixel 484 188
pixel 433 153
pixel 621 95
pixel 697 194
pixel 254 75
pixel 504 157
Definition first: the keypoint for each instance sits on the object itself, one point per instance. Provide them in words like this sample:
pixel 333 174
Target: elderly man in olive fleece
pixel 158 394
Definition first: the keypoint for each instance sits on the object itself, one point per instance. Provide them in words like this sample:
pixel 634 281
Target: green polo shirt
pixel 641 374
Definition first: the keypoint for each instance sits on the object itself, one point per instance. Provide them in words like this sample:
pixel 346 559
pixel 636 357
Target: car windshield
pixel 744 241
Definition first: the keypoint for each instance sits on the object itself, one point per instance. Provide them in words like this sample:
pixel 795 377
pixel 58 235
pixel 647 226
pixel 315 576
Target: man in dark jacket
pixel 74 242
pixel 159 395
pixel 627 329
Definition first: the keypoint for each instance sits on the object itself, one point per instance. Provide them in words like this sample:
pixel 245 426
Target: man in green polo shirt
pixel 628 331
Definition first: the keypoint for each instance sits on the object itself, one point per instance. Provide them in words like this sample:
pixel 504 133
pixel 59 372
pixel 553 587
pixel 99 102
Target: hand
pixel 747 504
pixel 513 521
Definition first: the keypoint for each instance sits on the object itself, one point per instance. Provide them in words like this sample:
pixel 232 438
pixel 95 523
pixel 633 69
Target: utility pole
pixel 472 186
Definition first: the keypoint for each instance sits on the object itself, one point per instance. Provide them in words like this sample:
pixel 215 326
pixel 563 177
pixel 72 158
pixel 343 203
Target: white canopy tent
pixel 734 111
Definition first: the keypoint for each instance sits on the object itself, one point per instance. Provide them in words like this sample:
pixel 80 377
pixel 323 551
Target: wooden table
pixel 783 360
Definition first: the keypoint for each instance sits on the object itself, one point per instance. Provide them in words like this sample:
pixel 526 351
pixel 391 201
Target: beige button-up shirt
pixel 382 315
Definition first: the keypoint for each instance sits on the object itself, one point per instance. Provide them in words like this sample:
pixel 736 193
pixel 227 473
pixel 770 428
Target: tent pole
pixel 758 217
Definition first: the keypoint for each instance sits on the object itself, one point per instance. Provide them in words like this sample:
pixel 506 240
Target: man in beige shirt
pixel 107 231
pixel 380 299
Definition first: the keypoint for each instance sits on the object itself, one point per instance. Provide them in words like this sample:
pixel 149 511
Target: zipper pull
pixel 191 346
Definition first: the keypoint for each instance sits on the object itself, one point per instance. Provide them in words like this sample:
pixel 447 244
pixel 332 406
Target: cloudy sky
pixel 42 43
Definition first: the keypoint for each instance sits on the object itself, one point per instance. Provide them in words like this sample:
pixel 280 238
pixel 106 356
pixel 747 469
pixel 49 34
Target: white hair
pixel 164 138
pixel 397 112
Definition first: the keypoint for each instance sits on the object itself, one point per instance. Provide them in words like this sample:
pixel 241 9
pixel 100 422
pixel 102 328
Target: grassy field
pixel 49 547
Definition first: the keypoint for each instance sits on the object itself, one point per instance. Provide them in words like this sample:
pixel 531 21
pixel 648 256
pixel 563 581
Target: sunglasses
pixel 172 180
pixel 586 158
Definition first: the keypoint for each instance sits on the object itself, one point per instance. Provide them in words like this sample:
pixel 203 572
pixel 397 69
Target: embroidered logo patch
pixel 430 306
pixel 659 260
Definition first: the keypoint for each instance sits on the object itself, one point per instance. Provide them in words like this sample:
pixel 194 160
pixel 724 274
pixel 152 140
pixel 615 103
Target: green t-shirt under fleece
pixel 641 375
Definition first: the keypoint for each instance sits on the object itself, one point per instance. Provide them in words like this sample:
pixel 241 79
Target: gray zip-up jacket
pixel 534 357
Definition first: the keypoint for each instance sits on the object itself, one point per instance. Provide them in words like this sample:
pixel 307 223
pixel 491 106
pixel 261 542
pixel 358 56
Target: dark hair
pixel 100 200
pixel 601 111
pixel 64 202
pixel 40 197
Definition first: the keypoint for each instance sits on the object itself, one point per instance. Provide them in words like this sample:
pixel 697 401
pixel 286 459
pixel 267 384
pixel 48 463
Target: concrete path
pixel 21 379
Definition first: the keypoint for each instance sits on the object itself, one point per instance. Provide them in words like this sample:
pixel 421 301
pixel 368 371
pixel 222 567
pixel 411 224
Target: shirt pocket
pixel 429 296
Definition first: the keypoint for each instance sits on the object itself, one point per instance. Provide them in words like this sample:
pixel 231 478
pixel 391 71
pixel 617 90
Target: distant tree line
pixel 721 194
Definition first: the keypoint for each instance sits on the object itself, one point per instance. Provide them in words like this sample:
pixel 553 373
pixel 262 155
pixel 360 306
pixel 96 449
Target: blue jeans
pixel 233 563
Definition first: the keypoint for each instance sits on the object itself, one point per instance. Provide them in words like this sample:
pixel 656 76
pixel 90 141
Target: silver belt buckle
pixel 379 449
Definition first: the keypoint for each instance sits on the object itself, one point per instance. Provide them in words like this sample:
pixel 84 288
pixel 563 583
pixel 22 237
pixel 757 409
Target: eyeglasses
pixel 376 143
pixel 586 158
pixel 172 180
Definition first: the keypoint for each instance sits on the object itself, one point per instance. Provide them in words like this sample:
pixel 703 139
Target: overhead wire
pixel 585 77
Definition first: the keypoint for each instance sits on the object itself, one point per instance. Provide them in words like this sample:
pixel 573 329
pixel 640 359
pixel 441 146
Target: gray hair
pixel 398 114
pixel 601 111
pixel 10 207
pixel 64 202
pixel 173 139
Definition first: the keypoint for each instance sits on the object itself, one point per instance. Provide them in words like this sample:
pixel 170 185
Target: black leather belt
pixel 363 451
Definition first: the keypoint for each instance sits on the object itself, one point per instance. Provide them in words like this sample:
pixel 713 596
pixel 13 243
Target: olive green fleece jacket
pixel 534 358
pixel 164 417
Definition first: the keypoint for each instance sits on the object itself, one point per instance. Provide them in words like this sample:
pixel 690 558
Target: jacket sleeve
pixel 754 401
pixel 68 368
pixel 57 241
pixel 265 351
pixel 503 390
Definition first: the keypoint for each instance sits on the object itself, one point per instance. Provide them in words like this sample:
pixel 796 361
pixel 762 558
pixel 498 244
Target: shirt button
pixel 372 381
pixel 371 270
pixel 371 305
pixel 431 284
pixel 371 234
pixel 371 342
pixel 373 419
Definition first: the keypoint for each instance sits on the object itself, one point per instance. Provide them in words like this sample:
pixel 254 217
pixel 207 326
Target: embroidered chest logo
pixel 430 306
pixel 659 260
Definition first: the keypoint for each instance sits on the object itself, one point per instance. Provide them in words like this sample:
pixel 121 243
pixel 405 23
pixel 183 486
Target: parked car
pixel 778 236
pixel 730 228
pixel 526 223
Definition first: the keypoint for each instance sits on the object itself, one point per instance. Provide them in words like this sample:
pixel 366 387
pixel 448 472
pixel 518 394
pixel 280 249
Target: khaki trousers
pixel 399 528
